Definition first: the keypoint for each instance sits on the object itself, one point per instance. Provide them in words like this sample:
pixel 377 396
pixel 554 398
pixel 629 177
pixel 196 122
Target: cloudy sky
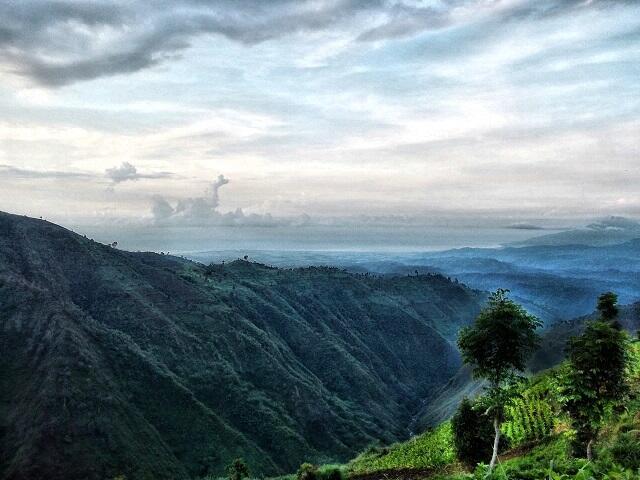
pixel 286 113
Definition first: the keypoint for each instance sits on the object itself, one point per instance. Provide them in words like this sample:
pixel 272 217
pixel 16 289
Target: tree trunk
pixel 496 442
pixel 589 450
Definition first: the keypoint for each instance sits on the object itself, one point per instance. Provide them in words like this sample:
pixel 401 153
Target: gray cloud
pixel 25 173
pixel 524 226
pixel 161 209
pixel 143 33
pixel 128 172
pixel 615 223
pixel 116 175
pixel 124 172
pixel 215 186
pixel 56 43
pixel 404 21
pixel 550 8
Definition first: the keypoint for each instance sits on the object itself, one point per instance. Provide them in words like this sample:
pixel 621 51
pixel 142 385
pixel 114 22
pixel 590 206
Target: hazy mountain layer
pixel 155 367
pixel 553 282
pixel 605 231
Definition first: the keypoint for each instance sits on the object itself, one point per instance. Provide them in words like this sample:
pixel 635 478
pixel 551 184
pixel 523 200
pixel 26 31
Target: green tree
pixel 237 470
pixel 497 347
pixel 595 377
pixel 607 306
pixel 472 431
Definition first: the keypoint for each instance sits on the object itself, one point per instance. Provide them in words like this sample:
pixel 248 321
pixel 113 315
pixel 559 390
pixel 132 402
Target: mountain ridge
pixel 154 366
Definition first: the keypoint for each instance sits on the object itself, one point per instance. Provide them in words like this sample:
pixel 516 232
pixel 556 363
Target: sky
pixel 278 119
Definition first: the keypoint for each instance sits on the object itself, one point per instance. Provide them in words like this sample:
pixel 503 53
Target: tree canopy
pixel 501 339
pixel 595 377
pixel 497 347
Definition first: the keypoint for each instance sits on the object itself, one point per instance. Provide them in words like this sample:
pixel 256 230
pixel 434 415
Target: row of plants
pixel 431 450
pixel 531 416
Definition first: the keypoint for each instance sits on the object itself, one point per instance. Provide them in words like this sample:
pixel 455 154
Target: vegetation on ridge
pixel 497 346
pixel 149 366
pixel 153 366
pixel 538 427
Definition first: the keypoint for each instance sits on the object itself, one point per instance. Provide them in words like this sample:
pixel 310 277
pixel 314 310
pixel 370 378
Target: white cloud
pixel 517 107
pixel 128 172
pixel 203 211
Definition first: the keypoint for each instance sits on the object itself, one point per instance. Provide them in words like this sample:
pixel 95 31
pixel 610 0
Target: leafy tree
pixel 595 378
pixel 497 346
pixel 607 306
pixel 237 470
pixel 472 432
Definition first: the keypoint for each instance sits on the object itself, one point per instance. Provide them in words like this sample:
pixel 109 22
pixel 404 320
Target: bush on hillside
pixel 307 471
pixel 626 449
pixel 237 470
pixel 531 416
pixel 330 472
pixel 472 434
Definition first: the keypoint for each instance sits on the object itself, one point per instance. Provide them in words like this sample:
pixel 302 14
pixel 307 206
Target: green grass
pixel 431 450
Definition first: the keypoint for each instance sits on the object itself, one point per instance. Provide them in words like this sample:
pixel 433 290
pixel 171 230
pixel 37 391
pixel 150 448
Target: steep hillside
pixel 536 439
pixel 156 367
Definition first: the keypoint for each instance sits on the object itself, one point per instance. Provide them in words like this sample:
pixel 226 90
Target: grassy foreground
pixel 538 443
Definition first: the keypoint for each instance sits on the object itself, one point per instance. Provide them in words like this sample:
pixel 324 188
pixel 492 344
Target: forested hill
pixel 156 367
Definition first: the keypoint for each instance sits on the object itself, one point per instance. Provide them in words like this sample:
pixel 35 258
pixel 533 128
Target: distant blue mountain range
pixel 556 277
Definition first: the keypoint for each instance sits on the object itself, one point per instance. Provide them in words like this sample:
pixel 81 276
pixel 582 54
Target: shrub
pixel 472 431
pixel 307 471
pixel 237 470
pixel 531 416
pixel 626 449
pixel 330 472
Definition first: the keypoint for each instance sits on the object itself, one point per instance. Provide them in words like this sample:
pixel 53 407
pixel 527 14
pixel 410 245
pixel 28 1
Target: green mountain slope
pixel 536 433
pixel 155 367
pixel 442 402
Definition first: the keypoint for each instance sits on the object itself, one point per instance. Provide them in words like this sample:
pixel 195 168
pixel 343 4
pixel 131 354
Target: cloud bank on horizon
pixel 378 110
